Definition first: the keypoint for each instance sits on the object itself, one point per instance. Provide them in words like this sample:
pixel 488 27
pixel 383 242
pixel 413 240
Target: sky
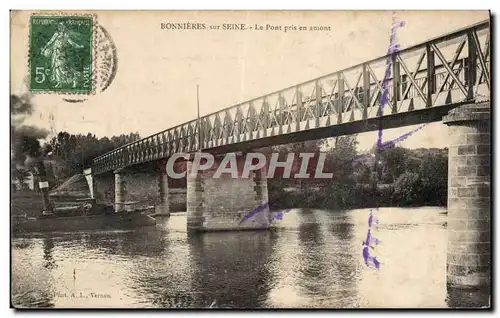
pixel 158 70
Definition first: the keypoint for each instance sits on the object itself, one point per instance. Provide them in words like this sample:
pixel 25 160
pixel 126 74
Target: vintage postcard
pixel 250 159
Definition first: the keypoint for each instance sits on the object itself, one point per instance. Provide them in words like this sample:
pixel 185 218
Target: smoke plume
pixel 24 138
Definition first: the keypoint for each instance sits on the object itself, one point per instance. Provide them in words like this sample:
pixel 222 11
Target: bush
pixel 407 188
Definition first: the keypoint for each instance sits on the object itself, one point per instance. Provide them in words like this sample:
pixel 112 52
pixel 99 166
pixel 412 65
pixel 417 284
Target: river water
pixel 312 259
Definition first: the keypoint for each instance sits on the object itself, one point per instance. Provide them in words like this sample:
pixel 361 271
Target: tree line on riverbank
pixel 396 176
pixel 74 152
pixel 67 154
pixel 63 154
pixel 393 177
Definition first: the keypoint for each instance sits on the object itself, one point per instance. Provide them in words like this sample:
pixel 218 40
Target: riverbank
pixel 344 196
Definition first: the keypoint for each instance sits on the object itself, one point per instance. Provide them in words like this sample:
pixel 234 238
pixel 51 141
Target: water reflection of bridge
pixel 312 258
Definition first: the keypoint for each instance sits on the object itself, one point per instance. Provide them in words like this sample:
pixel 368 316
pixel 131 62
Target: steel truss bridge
pixel 427 80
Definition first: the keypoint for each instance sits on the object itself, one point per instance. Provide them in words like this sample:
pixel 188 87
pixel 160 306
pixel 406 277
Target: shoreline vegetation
pixel 393 177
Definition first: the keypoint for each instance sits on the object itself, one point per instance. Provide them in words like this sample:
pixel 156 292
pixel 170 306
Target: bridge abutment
pixel 219 203
pixel 145 186
pixel 104 187
pixel 469 207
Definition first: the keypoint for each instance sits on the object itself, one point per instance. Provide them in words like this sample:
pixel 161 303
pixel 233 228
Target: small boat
pixel 81 217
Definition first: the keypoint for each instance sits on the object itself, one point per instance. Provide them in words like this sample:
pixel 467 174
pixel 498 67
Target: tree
pixel 434 177
pixel 395 162
pixel 407 189
pixel 362 173
pixel 75 152
pixel 341 158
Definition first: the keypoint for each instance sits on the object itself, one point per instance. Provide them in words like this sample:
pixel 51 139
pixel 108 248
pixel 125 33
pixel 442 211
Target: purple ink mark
pixel 370 261
pixel 393 48
pixel 369 240
pixel 277 216
pixel 373 221
pixel 366 254
pixel 391 143
pixel 254 212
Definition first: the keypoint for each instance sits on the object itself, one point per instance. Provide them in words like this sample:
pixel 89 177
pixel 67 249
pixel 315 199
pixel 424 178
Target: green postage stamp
pixel 61 54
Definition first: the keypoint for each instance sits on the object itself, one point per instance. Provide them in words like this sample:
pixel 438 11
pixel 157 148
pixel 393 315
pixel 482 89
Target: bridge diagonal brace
pixel 274 111
pixel 211 137
pixel 251 118
pixel 228 124
pixel 199 134
pixel 182 139
pixel 447 67
pixel 456 72
pixel 285 109
pixel 260 120
pixel 412 79
pixel 374 96
pixel 308 106
pixel 348 104
pixel 353 95
pixel 238 119
pixel 453 62
pixel 377 82
pixel 322 110
pixel 482 59
pixel 163 144
pixel 485 54
pixel 329 100
pixel 290 119
pixel 419 63
pixel 218 129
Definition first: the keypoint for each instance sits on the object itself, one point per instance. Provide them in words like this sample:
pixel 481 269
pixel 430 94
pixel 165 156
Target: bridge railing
pixel 450 69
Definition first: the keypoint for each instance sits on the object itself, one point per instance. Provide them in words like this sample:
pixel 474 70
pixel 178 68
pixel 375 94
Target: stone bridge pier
pixel 104 187
pixel 138 186
pixel 220 202
pixel 469 207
